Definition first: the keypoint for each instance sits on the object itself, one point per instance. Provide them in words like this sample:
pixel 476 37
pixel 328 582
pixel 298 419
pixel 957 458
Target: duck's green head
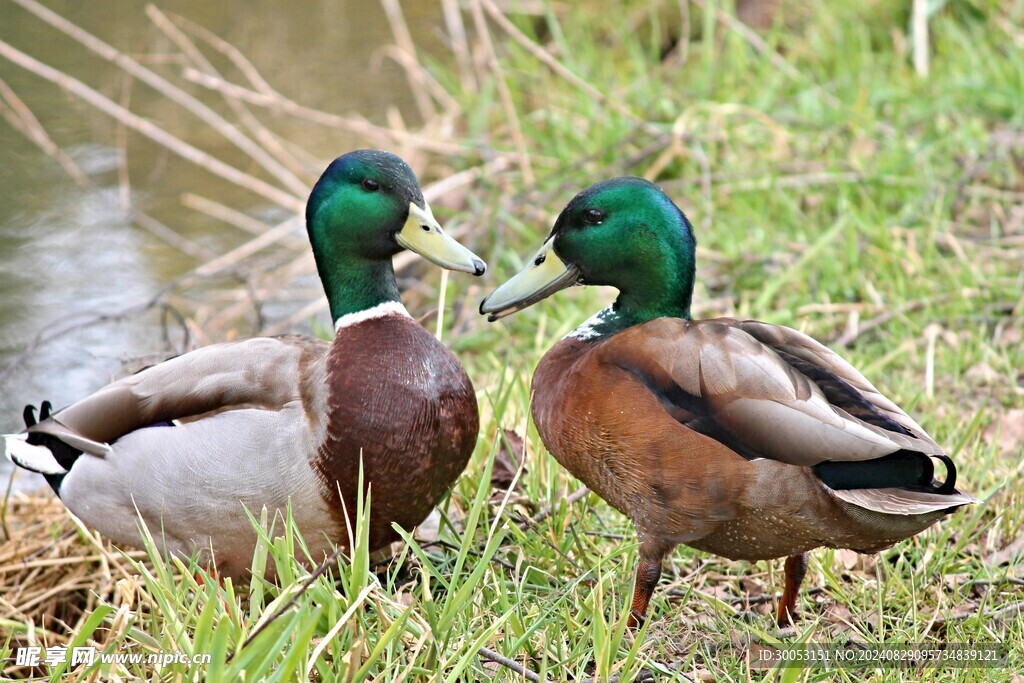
pixel 367 207
pixel 624 232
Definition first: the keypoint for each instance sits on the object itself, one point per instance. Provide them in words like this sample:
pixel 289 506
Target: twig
pixel 642 676
pixel 169 236
pixel 124 179
pixel 560 69
pixel 573 497
pixel 222 46
pixel 172 92
pixel 50 334
pixel 1012 580
pixel 503 90
pixel 492 656
pixel 849 337
pixel 427 82
pixel 150 130
pixel 234 217
pixel 413 69
pixel 22 119
pixel 742 600
pixel 1013 608
pixel 278 102
pixel 257 129
pixel 459 43
pixel 320 571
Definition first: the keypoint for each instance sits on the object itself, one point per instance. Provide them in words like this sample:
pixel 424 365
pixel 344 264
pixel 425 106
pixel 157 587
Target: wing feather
pixel 264 372
pixel 733 376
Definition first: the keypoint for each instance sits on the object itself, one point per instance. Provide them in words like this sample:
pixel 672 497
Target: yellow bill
pixel 424 235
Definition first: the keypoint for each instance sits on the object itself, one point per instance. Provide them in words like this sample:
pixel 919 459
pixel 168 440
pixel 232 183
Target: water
pixel 67 252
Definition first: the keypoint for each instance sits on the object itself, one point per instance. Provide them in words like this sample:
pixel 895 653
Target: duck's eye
pixel 371 185
pixel 540 259
pixel 593 217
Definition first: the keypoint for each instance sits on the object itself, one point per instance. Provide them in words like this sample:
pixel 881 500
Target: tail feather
pixel 897 501
pixel 902 469
pixel 30 456
pixel 47 447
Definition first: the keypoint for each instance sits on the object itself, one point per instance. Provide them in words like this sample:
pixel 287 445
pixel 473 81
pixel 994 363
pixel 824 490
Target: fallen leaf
pixel 1011 336
pixel 837 613
pixel 848 558
pixel 429 530
pixel 752 588
pixel 507 461
pixel 1007 554
pixel 981 374
pixel 1007 431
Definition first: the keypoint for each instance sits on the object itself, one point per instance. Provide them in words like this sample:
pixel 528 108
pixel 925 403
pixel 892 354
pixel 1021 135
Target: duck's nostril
pixel 426 228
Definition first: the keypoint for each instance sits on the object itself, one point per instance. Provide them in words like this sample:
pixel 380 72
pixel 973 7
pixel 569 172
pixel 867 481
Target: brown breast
pixel 402 401
pixel 615 436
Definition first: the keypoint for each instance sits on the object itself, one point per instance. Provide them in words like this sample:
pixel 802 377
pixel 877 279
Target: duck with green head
pixel 737 437
pixel 191 443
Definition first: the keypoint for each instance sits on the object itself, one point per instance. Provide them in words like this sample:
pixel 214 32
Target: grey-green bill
pixel 543 275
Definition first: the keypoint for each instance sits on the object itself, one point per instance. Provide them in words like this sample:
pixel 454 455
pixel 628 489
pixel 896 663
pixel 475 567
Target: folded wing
pixel 771 392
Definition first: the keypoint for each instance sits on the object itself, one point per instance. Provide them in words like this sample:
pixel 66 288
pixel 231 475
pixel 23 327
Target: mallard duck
pixel 190 443
pixel 740 438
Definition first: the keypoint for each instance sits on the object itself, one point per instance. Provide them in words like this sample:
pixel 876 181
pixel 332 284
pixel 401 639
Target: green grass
pixel 851 191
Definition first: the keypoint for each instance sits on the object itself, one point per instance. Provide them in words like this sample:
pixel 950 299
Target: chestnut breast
pixel 604 425
pixel 399 399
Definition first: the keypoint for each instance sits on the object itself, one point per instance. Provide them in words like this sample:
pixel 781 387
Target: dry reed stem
pixel 358 126
pixel 556 66
pixel 250 122
pixel 124 181
pixel 150 130
pixel 232 53
pixel 233 257
pixel 170 91
pixel 680 52
pixel 413 69
pixel 21 118
pixel 53 581
pixel 504 93
pixel 919 36
pixel 266 96
pixel 171 237
pixel 459 44
pixel 424 80
pixel 235 218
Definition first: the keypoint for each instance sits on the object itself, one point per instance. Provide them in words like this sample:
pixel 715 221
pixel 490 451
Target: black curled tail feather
pixel 64 454
pixel 949 485
pixel 902 469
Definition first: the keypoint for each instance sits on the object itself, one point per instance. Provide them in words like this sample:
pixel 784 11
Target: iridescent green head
pixel 367 207
pixel 624 232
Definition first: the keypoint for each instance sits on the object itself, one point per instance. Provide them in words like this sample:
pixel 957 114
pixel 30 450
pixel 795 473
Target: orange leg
pixel 648 572
pixel 211 572
pixel 796 569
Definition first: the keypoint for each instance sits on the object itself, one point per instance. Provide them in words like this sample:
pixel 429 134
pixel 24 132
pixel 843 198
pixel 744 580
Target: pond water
pixel 68 251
